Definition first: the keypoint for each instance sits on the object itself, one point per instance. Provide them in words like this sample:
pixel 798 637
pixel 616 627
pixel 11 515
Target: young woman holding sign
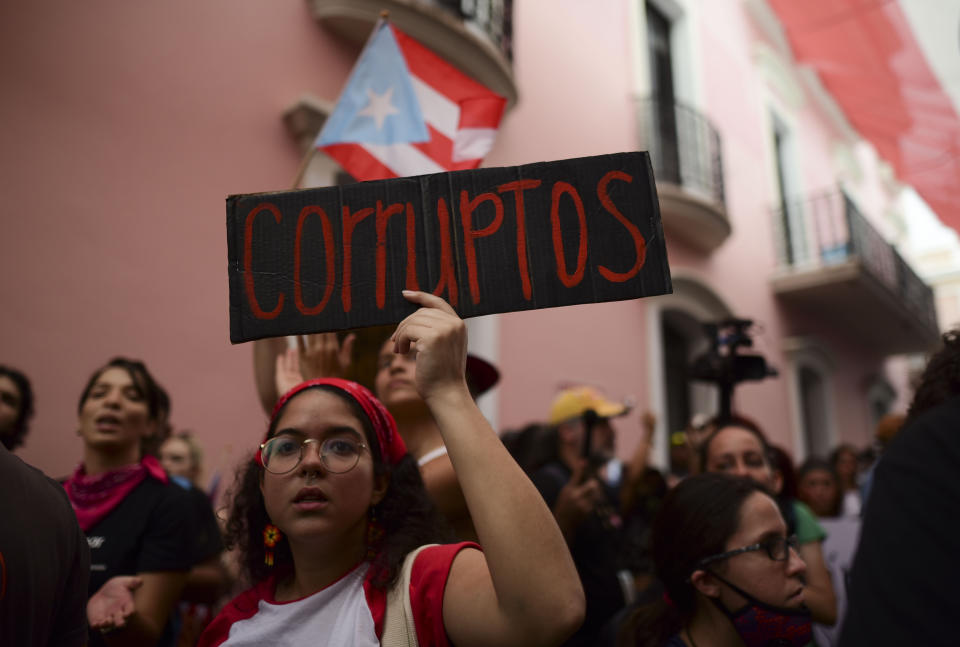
pixel 331 516
pixel 392 378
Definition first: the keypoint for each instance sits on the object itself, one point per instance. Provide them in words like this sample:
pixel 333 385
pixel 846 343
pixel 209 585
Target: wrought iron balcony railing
pixel 684 147
pixel 828 230
pixel 493 17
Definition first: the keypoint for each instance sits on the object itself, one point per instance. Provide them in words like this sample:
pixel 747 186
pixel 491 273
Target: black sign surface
pixel 489 240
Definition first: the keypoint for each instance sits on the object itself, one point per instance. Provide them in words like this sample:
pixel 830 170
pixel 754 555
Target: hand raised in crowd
pixel 440 339
pixel 110 607
pixel 648 426
pixel 323 355
pixel 287 374
pixel 649 423
pixel 637 467
pixel 577 499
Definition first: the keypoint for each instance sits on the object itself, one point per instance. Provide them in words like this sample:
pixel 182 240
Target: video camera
pixel 723 365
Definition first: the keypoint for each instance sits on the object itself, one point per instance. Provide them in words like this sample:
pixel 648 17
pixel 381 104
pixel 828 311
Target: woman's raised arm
pixel 523 589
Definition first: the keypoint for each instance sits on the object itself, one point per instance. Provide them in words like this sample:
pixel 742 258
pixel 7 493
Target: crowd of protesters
pixel 395 515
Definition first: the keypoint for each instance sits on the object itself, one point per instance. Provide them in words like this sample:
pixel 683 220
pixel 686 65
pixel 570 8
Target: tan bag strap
pixel 399 629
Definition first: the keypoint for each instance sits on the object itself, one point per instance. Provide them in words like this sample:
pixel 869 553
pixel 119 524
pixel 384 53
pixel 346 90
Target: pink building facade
pixel 126 126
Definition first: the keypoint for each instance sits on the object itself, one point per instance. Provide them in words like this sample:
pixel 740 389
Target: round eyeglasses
pixel 282 454
pixel 777 549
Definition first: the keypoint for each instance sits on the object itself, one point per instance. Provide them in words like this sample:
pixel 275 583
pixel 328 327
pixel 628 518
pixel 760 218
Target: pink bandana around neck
pixel 94 497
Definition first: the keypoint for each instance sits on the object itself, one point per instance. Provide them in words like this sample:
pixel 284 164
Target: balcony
pixel 834 264
pixel 474 36
pixel 688 166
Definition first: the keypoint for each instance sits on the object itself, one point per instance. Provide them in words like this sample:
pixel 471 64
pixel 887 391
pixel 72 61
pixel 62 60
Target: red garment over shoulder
pixel 428 580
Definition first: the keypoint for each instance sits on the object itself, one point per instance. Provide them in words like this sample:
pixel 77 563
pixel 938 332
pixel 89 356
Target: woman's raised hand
pixel 322 355
pixel 440 339
pixel 287 372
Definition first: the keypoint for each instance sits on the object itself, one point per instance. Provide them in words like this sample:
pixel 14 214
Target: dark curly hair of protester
pixel 406 513
pixel 21 425
pixel 696 519
pixel 940 380
pixel 142 380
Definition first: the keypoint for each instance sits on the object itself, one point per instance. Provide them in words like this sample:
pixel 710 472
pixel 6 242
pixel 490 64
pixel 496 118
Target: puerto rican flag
pixel 405 111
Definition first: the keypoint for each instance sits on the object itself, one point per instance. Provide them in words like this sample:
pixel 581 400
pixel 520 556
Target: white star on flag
pixel 440 119
pixel 380 106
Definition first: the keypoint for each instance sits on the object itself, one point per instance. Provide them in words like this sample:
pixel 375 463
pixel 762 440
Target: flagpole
pixel 304 163
pixel 308 156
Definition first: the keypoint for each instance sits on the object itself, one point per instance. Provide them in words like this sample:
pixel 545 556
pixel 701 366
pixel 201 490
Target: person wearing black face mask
pixel 730 575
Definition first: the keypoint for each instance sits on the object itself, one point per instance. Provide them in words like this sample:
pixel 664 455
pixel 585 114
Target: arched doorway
pixel 683 340
pixel 675 338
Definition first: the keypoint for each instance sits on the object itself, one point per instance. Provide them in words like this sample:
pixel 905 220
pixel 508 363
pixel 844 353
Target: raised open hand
pixel 287 374
pixel 322 355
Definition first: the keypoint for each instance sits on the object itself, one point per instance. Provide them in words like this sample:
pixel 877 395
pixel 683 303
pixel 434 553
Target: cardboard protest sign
pixel 487 240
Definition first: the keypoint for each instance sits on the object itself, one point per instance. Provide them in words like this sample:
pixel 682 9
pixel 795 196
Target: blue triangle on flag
pixel 379 105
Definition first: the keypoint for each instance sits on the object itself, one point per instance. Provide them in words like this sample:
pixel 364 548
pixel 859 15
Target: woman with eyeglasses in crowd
pixel 737 446
pixel 731 575
pixel 368 356
pixel 331 519
pixel 136 521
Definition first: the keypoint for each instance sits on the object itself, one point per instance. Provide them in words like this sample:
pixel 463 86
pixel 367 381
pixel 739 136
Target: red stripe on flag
pixel 465 165
pixel 479 108
pixel 440 150
pixel 485 112
pixel 436 72
pixel 477 112
pixel 359 163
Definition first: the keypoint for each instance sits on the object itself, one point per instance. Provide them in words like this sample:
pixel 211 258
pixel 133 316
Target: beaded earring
pixel 271 535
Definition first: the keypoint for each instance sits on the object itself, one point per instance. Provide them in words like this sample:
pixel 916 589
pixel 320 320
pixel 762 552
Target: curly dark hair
pixel 147 387
pixel 151 444
pixel 941 377
pixel 21 425
pixel 406 513
pixel 783 463
pixel 158 403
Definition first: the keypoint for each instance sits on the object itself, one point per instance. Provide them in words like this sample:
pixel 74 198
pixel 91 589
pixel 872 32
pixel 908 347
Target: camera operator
pixel 575 486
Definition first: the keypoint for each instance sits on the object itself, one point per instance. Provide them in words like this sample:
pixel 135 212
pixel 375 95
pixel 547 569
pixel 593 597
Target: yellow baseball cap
pixel 575 401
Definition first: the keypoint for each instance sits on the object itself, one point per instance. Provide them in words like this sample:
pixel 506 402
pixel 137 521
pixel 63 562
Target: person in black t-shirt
pixel 180 456
pixel 139 526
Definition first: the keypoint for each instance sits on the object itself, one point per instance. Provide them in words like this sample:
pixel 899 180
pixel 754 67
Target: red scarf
pixel 93 497
pixel 392 447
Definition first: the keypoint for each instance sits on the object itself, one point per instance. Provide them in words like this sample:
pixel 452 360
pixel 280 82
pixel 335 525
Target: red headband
pixel 385 427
